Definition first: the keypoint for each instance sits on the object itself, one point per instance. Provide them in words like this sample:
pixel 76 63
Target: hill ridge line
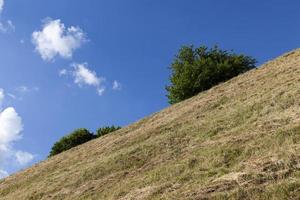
pixel 241 137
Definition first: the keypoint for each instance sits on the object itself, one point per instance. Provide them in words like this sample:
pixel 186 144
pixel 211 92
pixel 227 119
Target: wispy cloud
pixel 84 76
pixel 5 26
pixel 1 5
pixel 100 91
pixel 11 95
pixel 63 72
pixel 116 85
pixel 56 40
pixel 3 174
pixel 1 96
pixel 19 92
pixel 25 89
pixel 22 88
pixel 23 158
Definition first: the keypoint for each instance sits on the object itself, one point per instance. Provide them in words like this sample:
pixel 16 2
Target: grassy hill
pixel 238 140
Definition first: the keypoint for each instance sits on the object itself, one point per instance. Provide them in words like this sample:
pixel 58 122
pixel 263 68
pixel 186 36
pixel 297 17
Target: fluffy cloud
pixel 56 40
pixel 116 85
pixel 11 127
pixel 82 76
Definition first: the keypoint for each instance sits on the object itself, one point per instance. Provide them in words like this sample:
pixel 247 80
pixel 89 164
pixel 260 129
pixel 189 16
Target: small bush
pixel 105 130
pixel 197 69
pixel 74 139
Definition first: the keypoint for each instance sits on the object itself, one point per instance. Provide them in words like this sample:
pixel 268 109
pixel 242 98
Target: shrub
pixel 197 69
pixel 105 130
pixel 74 139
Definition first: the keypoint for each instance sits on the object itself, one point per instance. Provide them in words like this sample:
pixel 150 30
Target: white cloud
pixel 23 158
pixel 11 127
pixel 56 40
pixel 116 85
pixel 84 76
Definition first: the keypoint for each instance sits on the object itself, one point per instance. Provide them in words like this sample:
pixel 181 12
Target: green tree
pixel 197 69
pixel 77 137
pixel 105 130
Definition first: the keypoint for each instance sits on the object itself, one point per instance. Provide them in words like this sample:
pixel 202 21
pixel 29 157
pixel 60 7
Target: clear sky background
pixel 52 78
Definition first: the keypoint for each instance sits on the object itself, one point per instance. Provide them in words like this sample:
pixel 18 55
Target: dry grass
pixel 239 140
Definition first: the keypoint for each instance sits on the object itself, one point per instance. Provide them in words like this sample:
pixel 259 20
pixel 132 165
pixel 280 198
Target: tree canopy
pixel 197 69
pixel 77 137
pixel 105 130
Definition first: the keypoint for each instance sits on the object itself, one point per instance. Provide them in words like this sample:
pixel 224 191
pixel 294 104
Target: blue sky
pixel 60 59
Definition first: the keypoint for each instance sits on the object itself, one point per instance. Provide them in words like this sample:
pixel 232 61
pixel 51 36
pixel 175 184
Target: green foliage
pixel 75 138
pixel 198 69
pixel 105 130
pixel 79 136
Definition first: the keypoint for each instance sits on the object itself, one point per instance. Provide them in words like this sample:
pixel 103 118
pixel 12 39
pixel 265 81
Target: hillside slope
pixel 239 140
